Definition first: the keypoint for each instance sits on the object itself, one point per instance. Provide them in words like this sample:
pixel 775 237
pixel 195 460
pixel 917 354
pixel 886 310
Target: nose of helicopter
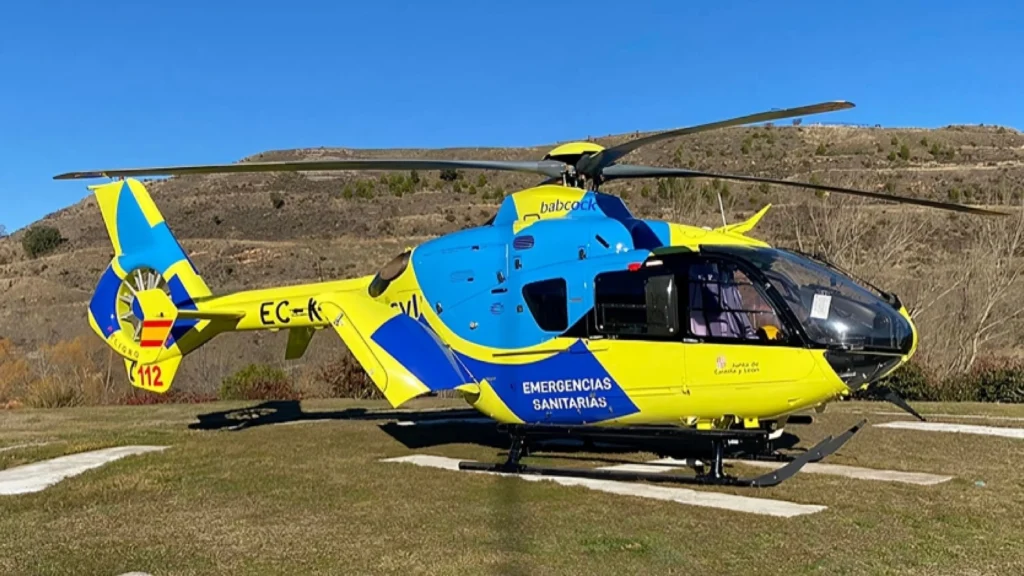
pixel 895 340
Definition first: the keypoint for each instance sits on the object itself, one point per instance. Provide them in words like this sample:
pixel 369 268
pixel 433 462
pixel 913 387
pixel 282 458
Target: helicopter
pixel 562 316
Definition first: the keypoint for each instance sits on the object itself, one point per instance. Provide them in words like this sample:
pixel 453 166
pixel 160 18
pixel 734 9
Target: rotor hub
pixel 570 153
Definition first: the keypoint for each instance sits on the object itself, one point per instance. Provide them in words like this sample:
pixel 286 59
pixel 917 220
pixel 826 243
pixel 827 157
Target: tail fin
pixel 142 302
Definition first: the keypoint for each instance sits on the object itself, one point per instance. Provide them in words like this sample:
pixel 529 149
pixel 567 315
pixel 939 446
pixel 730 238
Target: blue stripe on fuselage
pixel 649 234
pixel 414 345
pixel 567 387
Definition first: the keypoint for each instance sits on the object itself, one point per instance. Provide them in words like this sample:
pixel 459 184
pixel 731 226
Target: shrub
pixel 989 380
pixel 15 373
pixel 911 381
pixel 450 175
pixel 277 200
pixel 54 393
pixel 40 240
pixel 346 378
pixel 258 382
pixel 397 184
pixel 997 380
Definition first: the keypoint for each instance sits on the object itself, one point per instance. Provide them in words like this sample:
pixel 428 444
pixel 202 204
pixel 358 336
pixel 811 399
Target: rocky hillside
pixel 246 231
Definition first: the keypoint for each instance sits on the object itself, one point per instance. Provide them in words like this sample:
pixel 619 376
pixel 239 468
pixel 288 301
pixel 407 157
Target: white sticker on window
pixel 820 306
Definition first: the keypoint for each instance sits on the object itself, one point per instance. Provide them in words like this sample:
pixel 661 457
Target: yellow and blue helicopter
pixel 562 316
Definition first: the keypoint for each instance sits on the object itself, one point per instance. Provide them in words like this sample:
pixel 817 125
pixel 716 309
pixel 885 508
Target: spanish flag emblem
pixel 155 332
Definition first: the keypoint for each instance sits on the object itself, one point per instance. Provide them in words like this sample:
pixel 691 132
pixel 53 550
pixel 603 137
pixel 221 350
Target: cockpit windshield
pixel 833 310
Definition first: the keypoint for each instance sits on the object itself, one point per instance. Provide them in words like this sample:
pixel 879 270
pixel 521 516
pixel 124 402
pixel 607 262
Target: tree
pixel 977 308
pixel 991 287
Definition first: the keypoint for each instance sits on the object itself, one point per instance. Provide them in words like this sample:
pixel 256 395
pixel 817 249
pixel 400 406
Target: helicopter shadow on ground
pixel 424 429
pixel 290 412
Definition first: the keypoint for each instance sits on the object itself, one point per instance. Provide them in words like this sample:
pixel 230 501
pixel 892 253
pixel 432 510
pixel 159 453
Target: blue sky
pixel 124 83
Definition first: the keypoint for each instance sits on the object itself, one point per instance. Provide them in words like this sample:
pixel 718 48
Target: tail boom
pixel 152 307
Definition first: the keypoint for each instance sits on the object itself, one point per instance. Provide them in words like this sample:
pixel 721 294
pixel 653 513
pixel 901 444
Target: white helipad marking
pixel 946 415
pixel 432 421
pixel 962 428
pixel 681 495
pixel 919 478
pixel 40 475
pixel 17 446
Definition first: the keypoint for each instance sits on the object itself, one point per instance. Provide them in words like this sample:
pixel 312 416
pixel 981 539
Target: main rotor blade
pixel 551 168
pixel 591 165
pixel 620 171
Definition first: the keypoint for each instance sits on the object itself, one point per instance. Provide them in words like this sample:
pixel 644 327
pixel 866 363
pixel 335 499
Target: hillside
pixel 342 224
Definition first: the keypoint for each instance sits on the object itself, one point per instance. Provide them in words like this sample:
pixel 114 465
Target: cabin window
pixel 723 304
pixel 549 304
pixel 638 304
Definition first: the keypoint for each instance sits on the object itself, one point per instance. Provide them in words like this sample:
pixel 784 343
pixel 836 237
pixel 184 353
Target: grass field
pixel 313 497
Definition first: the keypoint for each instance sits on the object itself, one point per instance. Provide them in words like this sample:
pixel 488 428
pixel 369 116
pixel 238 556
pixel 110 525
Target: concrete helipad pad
pixel 961 428
pixel 40 475
pixel 920 478
pixel 746 504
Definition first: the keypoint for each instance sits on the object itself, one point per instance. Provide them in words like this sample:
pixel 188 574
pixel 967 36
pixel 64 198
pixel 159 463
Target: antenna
pixel 721 208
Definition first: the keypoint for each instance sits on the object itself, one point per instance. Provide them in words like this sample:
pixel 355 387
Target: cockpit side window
pixel 723 304
pixel 393 269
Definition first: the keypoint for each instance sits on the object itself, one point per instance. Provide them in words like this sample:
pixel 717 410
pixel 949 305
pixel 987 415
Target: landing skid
pixel 711 474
